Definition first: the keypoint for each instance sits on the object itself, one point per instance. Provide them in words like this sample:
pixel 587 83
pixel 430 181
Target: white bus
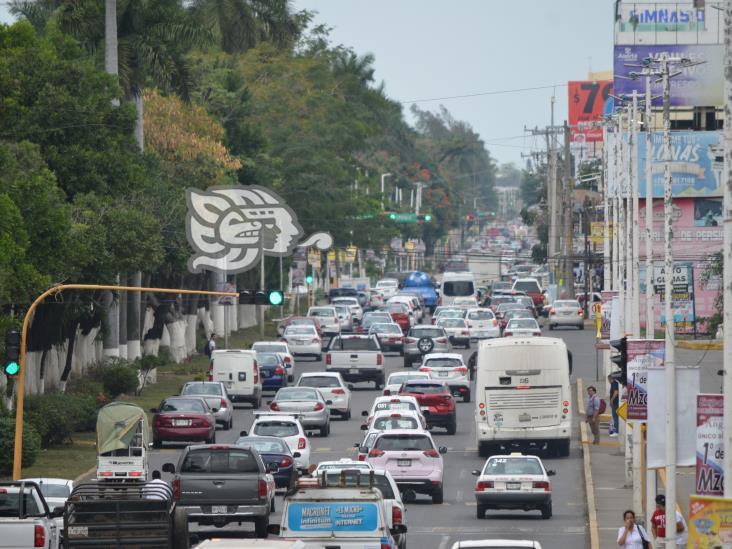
pixel 456 285
pixel 523 396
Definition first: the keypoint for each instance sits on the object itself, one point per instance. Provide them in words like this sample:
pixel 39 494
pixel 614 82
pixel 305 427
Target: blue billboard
pixel 332 517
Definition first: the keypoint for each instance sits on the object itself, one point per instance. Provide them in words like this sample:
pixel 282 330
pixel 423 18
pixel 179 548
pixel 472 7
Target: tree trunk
pixel 111 65
pixel 42 372
pixel 216 283
pixel 139 127
pixel 69 355
pixel 110 321
pixel 134 325
pixel 123 299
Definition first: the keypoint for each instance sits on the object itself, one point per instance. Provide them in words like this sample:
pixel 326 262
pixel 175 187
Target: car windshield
pixel 54 490
pixel 354 344
pixel 346 301
pixel 519 313
pixel 426 332
pixel 385 329
pixel 300 330
pixel 386 423
pixel 276 429
pixel 322 312
pixel 503 307
pixel 319 381
pixel 398 379
pixel 270 347
pixel 525 301
pixel 454 313
pixel 403 443
pixel 342 310
pixel 480 315
pixel 380 481
pixel 201 388
pixel 443 363
pixel 423 388
pixel 500 299
pixel 512 466
pixel 294 393
pixel 264 445
pixel 183 405
pixel 399 405
pixel 339 466
pixel 397 308
pixel 522 324
pixel 528 286
pixel 267 359
pixel 566 304
pixel 228 460
pixel 458 288
pixel 451 322
pixel 302 322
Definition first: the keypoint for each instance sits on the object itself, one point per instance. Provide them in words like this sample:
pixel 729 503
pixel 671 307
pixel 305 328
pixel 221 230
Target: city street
pixel 439 526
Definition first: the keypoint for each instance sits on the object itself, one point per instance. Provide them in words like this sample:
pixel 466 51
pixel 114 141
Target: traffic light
pixel 424 218
pixel 392 216
pixel 12 353
pixel 309 274
pixel 258 297
pixel 621 358
pixel 275 297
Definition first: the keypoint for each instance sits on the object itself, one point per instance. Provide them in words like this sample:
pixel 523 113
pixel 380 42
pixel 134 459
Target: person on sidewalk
pixel 632 535
pixel 592 413
pixel 210 346
pixel 614 403
pixel 658 525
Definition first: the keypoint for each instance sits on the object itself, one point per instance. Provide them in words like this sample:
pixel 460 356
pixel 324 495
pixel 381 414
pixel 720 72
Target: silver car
pixel 566 312
pixel 522 327
pixel 215 395
pixel 424 339
pixel 345 317
pixel 308 403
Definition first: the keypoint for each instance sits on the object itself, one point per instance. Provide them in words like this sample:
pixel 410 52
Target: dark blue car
pixel 273 372
pixel 274 450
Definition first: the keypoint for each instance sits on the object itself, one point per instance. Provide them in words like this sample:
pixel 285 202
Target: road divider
pixel 589 485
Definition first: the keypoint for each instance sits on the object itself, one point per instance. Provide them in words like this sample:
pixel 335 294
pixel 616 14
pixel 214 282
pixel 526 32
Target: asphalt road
pixel 439 526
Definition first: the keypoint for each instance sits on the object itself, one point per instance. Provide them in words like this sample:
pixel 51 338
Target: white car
pixel 388 287
pixel 328 318
pixel 465 301
pixel 345 316
pixel 513 481
pixel 281 348
pixel 497 544
pixel 522 327
pixel 386 420
pixel 395 403
pixel 55 490
pixel 395 380
pixel 288 428
pixel 482 323
pixel 566 312
pixel 345 463
pixel 449 368
pixel 304 340
pixel 353 305
pixel 333 388
pixel 457 331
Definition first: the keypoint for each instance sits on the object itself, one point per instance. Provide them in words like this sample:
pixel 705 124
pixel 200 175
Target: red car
pixel 436 401
pixel 183 419
pixel 400 314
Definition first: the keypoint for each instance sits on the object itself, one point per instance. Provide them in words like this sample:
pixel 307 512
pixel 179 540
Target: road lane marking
pixel 443 543
pixel 322 450
pixel 459 495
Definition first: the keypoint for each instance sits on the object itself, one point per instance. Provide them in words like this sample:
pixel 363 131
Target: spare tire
pixel 425 345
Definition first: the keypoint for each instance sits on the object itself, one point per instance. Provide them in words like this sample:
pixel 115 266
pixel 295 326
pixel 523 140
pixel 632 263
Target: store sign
pixel 709 445
pixel 642 354
pixel 681 278
pixel 587 101
pixel 710 522
pixel 666 23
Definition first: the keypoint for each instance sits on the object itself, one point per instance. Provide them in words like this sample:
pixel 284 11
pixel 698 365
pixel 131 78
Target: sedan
pixel 273 371
pixel 333 389
pixel 328 318
pixel 183 419
pixel 308 404
pixel 214 393
pixel 566 312
pixel 527 302
pixel 397 379
pixel 503 308
pixel 275 451
pixel 371 318
pixel 457 330
pixel 390 336
pixel 304 341
pixel 482 323
pixel 299 321
pixel 522 327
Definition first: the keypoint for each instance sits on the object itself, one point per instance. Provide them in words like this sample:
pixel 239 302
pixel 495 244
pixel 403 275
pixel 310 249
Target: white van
pixel 238 370
pixel 522 395
pixel 457 285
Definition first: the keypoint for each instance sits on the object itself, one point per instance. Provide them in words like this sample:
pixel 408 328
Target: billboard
pixel 587 101
pixel 709 445
pixel 667 23
pixel 710 522
pixel 697 163
pixel 642 354
pixel 697 86
pixel 708 212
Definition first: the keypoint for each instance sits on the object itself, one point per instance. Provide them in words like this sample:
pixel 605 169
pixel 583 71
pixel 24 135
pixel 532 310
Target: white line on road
pixel 443 543
pixel 459 495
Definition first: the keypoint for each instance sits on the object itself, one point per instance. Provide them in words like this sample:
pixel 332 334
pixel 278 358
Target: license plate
pixel 181 423
pixel 443 374
pixel 78 531
pixel 404 462
pixel 513 486
pixel 218 509
pixel 353 371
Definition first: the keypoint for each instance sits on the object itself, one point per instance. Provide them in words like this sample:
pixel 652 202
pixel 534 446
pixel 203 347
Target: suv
pixel 285 427
pixel 422 340
pixel 413 460
pixel 435 400
pixel 449 368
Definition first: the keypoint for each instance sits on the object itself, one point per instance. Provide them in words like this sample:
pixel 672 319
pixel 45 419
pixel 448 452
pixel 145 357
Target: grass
pixel 77 457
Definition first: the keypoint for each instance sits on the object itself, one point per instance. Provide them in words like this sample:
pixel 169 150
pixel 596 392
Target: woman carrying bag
pixel 632 535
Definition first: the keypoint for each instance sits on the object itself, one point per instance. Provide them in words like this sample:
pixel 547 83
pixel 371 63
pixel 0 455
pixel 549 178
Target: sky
pixel 427 49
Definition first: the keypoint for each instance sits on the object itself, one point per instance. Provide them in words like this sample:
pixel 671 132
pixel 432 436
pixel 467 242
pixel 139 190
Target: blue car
pixel 274 450
pixel 273 372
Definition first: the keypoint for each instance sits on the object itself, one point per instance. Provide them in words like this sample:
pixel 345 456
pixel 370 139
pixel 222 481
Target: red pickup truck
pixel 533 289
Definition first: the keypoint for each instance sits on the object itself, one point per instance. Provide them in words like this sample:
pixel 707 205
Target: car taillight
pixel 104 474
pixel 537 333
pixel 396 515
pixel 262 489
pixel 39 536
pixel 256 373
pixel 338 391
pixel 544 485
pixel 379 359
pixel 274 407
pixel 210 374
pixel 387 392
pixel 222 404
pixel 552 311
pixel 375 452
pixel 301 442
pixel 314 341
pixel 482 409
pixel 425 369
pixel 461 370
pixel 432 453
pixel 288 359
pixel 441 340
pixel 318 406
pixel 286 461
pixel 580 312
pixel 495 322
pixel 176 489
pixel 483 485
pixel 508 333
pixel 279 371
pixel 361 457
pixel 327 359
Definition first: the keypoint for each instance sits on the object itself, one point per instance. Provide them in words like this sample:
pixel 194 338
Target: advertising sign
pixel 709 445
pixel 587 100
pixel 696 167
pixel 597 232
pixel 710 522
pixel 666 23
pixel 607 300
pixel 681 278
pixel 642 354
pixel 696 86
pixel 332 517
pixel 708 212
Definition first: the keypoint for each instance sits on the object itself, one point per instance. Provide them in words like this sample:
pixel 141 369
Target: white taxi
pixel 450 368
pixel 395 403
pixel 482 323
pixel 513 481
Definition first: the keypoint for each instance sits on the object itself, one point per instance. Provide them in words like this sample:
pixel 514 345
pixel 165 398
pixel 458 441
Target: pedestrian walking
pixel 210 345
pixel 658 525
pixel 592 413
pixel 614 403
pixel 632 535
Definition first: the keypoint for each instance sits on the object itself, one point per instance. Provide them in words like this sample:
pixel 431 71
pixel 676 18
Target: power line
pixel 480 94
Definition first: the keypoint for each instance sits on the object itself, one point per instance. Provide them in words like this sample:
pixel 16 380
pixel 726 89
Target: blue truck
pixel 421 283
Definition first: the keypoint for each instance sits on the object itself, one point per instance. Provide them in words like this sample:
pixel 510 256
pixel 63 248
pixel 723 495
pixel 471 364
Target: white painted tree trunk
pixel 140 121
pixel 110 319
pixel 134 304
pixel 217 311
pixel 191 325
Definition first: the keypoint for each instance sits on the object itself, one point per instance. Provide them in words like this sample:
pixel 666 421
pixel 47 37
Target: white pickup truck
pixel 25 520
pixel 356 357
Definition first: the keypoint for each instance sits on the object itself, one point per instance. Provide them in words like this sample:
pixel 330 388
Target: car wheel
pixel 272 505
pixel 546 511
pixel 466 396
pixel 180 528
pixel 290 378
pixel 551 326
pixel 437 497
pixel 324 430
pixel 260 527
pixel 480 511
pixel 485 449
pixel 379 384
pixel 452 426
pixel 157 444
pixel 347 415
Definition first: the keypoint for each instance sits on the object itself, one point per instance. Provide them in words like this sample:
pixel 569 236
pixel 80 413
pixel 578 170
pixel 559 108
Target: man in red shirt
pixel 658 526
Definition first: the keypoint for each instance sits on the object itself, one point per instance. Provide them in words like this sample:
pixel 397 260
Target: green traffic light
pixel 12 368
pixel 428 217
pixel 309 279
pixel 392 216
pixel 276 297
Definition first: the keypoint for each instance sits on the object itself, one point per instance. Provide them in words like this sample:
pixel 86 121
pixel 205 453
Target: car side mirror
pixel 243 434
pixel 154 411
pixel 329 402
pixel 475 473
pixel 364 427
pixel 364 414
pixel 443 449
pixel 363 450
pixel 272 468
pixel 296 455
pixel 357 445
pixel 551 473
pixel 169 468
pixel 273 529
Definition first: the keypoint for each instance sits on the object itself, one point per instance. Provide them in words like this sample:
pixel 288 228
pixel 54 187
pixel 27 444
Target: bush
pixel 31 445
pixel 53 416
pixel 119 379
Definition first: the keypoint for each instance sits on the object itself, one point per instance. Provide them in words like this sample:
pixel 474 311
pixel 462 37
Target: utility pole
pixel 568 217
pixel 727 276
pixel 552 197
pixel 621 223
pixel 607 269
pixel 635 265
pixel 616 205
pixel 650 321
pixel 629 225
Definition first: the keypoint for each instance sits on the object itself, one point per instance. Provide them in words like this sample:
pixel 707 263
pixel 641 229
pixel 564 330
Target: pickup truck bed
pixel 356 358
pixel 25 517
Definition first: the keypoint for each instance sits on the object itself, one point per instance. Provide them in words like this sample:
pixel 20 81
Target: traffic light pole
pixel 20 389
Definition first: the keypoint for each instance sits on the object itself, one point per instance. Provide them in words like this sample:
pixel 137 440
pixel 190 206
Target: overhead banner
pixel 687 381
pixel 695 86
pixel 607 301
pixel 710 522
pixel 709 445
pixel 587 101
pixel 642 354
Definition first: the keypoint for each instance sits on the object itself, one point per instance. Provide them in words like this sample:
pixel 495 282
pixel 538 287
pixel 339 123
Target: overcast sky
pixel 441 48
